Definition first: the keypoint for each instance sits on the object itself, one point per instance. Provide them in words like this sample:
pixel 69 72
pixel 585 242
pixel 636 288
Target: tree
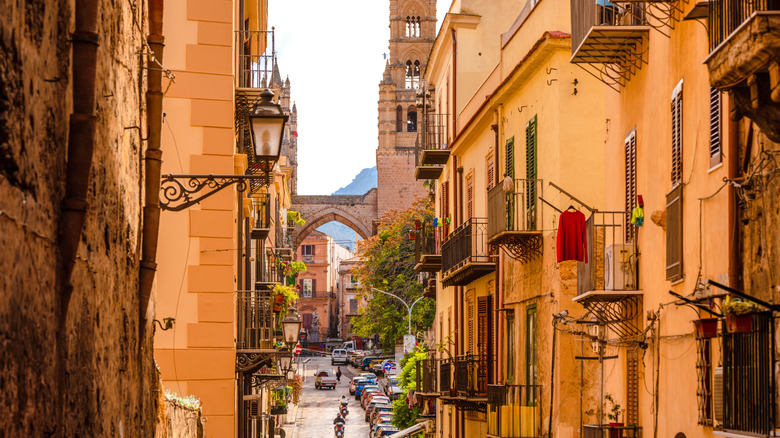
pixel 405 416
pixel 387 263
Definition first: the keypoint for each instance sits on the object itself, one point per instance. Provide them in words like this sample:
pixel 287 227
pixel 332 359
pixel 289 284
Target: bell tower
pixel 412 33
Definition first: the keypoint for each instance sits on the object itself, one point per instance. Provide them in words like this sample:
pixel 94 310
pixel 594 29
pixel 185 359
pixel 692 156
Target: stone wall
pixel 105 377
pixel 397 187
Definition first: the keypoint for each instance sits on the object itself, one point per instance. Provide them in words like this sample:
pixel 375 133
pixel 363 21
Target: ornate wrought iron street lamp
pixel 266 124
pixel 291 326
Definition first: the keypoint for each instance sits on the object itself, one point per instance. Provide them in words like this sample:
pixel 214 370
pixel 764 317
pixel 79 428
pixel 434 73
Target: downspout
pixel 81 143
pixel 454 36
pixel 735 262
pixel 153 161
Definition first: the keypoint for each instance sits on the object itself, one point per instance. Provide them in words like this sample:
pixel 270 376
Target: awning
pixel 408 431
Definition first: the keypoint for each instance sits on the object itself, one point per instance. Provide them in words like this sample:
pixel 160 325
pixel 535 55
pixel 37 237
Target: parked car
pixel 353 383
pixel 370 376
pixel 378 402
pixel 379 368
pixel 383 430
pixel 366 398
pixel 366 391
pixel 324 379
pixel 378 410
pixel 366 362
pixel 383 417
pixel 359 388
pixel 338 356
pixel 390 385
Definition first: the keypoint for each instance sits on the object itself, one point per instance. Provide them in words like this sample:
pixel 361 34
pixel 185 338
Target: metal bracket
pixel 183 191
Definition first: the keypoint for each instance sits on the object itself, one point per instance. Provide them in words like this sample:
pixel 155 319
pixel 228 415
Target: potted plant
pixel 614 415
pixel 739 314
pixel 706 328
pixel 284 295
pixel 294 218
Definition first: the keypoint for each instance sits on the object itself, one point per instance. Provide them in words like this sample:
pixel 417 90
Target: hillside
pixel 362 183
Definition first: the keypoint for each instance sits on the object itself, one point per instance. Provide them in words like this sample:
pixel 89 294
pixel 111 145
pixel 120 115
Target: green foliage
pixel 739 306
pixel 294 218
pixel 614 412
pixel 387 263
pixel 403 415
pixel 288 292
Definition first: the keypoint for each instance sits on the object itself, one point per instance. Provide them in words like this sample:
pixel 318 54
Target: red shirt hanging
pixel 571 241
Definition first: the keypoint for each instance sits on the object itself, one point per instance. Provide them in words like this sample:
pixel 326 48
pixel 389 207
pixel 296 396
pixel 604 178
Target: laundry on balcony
pixel 571 242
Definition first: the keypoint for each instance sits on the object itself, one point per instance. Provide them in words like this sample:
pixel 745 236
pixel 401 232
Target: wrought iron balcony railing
pixel 612 254
pixel 466 255
pixel 433 139
pixel 256 57
pixel 471 375
pixel 606 431
pixel 748 378
pixel 261 203
pixel 514 411
pixel 445 376
pixel 254 318
pixel 515 218
pixel 428 248
pixel 726 16
pixel 426 376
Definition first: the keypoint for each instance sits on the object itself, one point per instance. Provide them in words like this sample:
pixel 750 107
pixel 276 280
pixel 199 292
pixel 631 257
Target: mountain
pixel 362 183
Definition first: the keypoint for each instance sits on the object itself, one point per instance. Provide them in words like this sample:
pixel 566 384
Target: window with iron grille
pixel 677 135
pixel 630 182
pixel 307 287
pixel 530 173
pixel 704 381
pixel 716 146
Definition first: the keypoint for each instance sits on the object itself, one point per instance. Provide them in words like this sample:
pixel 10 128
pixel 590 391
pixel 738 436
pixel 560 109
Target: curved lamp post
pixel 408 307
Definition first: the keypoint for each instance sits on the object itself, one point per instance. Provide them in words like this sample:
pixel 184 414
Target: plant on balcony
pixel 739 314
pixel 706 328
pixel 284 295
pixel 296 384
pixel 290 268
pixel 614 415
pixel 294 218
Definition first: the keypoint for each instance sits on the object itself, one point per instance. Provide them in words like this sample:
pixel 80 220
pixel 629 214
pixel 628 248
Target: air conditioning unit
pixel 619 267
pixel 717 394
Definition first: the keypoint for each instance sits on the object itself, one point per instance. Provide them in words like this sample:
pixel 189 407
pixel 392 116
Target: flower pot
pixel 615 433
pixel 706 328
pixel 739 323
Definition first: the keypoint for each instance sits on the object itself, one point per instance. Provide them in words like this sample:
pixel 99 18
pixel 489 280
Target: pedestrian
pixel 338 375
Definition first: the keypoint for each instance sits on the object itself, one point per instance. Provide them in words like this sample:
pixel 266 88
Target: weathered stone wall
pixel 397 187
pixel 106 375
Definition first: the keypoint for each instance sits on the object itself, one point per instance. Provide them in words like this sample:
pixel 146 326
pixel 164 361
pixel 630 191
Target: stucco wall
pixel 105 376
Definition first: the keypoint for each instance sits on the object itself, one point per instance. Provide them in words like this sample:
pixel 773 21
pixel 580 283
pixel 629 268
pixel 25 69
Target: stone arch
pixel 328 215
pixel 413 8
pixel 358 212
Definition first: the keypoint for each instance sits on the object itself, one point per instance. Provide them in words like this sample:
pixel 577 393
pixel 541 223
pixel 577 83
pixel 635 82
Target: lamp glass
pixel 291 326
pixel 266 124
pixel 284 363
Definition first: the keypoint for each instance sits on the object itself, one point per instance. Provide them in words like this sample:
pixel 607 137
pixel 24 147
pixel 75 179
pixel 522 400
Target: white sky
pixel 332 52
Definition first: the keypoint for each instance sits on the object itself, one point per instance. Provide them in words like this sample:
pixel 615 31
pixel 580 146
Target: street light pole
pixel 408 307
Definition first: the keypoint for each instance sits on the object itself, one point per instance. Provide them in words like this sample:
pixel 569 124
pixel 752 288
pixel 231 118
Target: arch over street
pixel 358 212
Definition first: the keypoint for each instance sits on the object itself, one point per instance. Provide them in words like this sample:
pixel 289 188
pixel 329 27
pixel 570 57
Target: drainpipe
pixel 454 36
pixel 732 157
pixel 81 142
pixel 153 161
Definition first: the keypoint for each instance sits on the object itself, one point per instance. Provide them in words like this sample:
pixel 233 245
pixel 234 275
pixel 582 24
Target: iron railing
pixel 255 60
pixel 428 241
pixel 426 375
pixel 262 210
pixel 445 376
pixel 467 244
pixel 725 16
pixel 586 14
pixel 434 134
pixel 515 411
pixel 471 375
pixel 254 318
pixel 606 431
pixel 612 254
pixel 518 210
pixel 748 378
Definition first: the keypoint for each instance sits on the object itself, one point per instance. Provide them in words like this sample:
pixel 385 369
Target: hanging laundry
pixel 638 216
pixel 571 241
pixel 435 222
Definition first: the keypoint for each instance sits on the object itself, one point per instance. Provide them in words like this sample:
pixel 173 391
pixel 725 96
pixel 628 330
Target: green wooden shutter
pixel 510 157
pixel 530 174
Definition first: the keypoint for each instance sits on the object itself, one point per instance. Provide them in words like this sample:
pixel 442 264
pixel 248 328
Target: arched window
pixel 412 75
pixel 409 26
pixel 411 119
pixel 412 27
pixel 399 119
pixel 416 27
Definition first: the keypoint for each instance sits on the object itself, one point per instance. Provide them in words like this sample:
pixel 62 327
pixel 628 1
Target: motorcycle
pixel 338 430
pixel 344 411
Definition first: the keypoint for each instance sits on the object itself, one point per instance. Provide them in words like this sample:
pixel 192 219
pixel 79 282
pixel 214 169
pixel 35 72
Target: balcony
pixel 471 378
pixel 255 319
pixel 445 377
pixel 434 151
pixel 748 398
pixel 428 248
pixel 514 411
pixel 515 219
pixel 607 286
pixel 744 52
pixel 610 42
pixel 426 378
pixel 255 59
pixel 605 431
pixel 261 203
pixel 466 255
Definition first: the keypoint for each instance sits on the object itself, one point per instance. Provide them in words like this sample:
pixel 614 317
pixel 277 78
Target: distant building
pixel 349 299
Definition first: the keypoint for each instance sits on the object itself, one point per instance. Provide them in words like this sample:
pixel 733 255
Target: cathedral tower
pixel 412 33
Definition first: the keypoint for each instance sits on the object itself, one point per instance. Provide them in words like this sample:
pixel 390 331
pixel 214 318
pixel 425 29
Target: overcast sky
pixel 333 54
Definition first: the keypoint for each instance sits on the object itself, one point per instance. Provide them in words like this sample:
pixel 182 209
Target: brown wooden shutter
pixel 491 173
pixel 716 151
pixel 674 244
pixel 470 316
pixel 470 197
pixel 445 205
pixel 677 136
pixel 313 247
pixel 630 182
pixel 313 286
pixel 307 320
pixel 484 340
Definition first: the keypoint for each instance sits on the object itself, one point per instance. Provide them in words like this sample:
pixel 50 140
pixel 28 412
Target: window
pixel 469 197
pixel 490 171
pixel 307 287
pixel 630 183
pixel 399 119
pixel 510 347
pixel 412 26
pixel 307 250
pixel 674 241
pixel 716 151
pixel 531 371
pixel 307 320
pixel 353 306
pixel 411 119
pixel 412 75
pixel 484 339
pixel 353 279
pixel 677 135
pixel 530 173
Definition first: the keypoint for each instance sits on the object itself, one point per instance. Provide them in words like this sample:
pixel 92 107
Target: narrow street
pixel 318 407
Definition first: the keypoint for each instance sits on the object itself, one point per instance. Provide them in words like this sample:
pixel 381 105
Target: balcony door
pixel 484 341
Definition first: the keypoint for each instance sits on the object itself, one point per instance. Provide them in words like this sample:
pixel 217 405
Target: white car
pixel 338 356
